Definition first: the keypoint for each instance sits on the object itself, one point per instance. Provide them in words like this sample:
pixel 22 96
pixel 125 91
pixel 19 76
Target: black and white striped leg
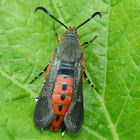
pixel 36 99
pixel 39 74
pixel 63 130
pixel 88 41
pixel 59 40
pixel 90 82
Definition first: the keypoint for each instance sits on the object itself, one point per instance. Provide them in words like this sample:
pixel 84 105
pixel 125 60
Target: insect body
pixel 61 98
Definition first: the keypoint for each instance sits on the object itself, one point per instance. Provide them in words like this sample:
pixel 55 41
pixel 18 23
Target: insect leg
pixel 41 129
pixel 63 130
pixel 36 99
pixel 89 81
pixel 39 74
pixel 88 41
pixel 59 40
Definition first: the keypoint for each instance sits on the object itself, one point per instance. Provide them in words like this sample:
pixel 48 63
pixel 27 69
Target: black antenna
pixel 97 13
pixel 42 8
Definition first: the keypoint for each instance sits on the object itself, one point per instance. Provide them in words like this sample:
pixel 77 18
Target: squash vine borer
pixel 61 98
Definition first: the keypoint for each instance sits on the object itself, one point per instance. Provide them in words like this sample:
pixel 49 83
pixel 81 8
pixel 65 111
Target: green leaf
pixel 112 63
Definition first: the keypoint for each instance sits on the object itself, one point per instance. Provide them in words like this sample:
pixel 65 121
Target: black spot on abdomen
pixel 64 87
pixel 62 96
pixel 60 107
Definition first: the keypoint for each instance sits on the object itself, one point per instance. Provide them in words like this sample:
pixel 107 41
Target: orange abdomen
pixel 61 99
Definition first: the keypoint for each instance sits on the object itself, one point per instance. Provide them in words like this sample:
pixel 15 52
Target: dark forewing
pixel 74 117
pixel 43 113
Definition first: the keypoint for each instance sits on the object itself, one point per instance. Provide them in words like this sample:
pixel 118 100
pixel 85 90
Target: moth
pixel 61 98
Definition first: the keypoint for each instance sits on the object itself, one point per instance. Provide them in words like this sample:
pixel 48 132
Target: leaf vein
pixel 94 133
pixel 57 10
pixel 127 97
pixel 32 94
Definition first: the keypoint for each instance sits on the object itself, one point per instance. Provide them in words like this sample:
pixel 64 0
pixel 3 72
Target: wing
pixel 74 117
pixel 44 113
